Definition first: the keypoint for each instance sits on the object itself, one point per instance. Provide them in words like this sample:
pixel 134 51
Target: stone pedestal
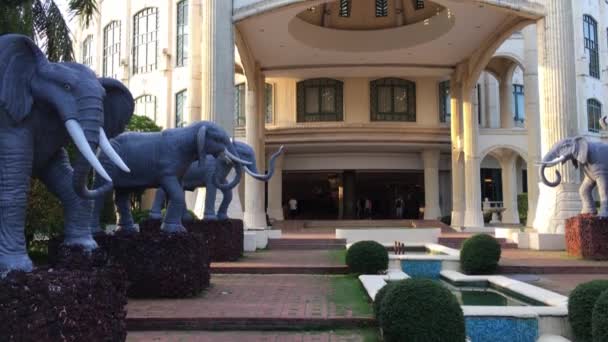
pixel 86 302
pixel 587 237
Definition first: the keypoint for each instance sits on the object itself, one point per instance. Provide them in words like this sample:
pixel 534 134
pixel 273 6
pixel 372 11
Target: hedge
pixel 599 319
pixel 367 257
pixel 580 308
pixel 480 254
pixel 380 297
pixel 421 310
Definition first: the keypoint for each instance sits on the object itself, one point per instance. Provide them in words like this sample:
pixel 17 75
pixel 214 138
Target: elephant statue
pixel 202 176
pixel 592 157
pixel 161 159
pixel 44 106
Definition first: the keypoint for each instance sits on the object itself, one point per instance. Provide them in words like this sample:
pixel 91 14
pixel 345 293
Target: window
pixel 145 43
pixel 319 99
pixel 145 105
pixel 478 89
pixel 445 107
pixel 180 103
pixel 181 56
pixel 594 113
pixel 111 49
pixel 418 4
pixel 519 105
pixel 268 100
pixel 381 8
pixel 393 99
pixel 239 105
pixel 87 51
pixel 591 45
pixel 344 8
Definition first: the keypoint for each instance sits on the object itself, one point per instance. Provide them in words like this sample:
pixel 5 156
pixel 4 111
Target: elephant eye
pixel 67 86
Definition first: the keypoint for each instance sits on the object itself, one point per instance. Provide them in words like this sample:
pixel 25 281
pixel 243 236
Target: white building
pixel 437 102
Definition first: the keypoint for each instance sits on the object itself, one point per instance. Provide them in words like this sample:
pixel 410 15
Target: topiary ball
pixel 599 319
pixel 421 310
pixel 480 254
pixel 580 307
pixel 381 295
pixel 367 257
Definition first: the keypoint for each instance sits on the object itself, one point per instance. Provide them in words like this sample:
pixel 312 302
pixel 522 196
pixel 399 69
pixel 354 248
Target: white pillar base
pixel 254 220
pixel 457 219
pixel 555 205
pixel 276 214
pixel 541 242
pixel 473 219
pixel 249 242
pixel 509 216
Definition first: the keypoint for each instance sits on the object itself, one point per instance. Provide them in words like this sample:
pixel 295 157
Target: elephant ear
pixel 19 60
pixel 201 139
pixel 582 150
pixel 118 106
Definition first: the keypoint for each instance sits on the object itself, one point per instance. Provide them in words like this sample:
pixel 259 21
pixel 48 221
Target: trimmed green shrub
pixel 421 310
pixel 522 207
pixel 380 296
pixel 480 254
pixel 580 307
pixel 367 257
pixel 599 319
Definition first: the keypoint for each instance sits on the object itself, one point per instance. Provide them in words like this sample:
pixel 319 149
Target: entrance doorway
pixel 342 194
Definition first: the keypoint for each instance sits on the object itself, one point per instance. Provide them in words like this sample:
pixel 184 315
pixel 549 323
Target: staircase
pixel 306 244
pixel 456 242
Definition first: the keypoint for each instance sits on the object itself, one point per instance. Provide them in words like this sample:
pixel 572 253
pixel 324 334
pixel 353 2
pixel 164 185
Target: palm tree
pixel 43 21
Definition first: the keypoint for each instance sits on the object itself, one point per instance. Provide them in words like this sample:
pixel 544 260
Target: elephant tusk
pixel 603 122
pixel 107 148
pixel 235 158
pixel 554 161
pixel 82 144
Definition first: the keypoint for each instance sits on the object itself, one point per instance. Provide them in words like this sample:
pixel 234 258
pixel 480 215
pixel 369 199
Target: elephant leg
pixel 176 206
pixel 210 195
pixel 77 212
pixel 16 156
pixel 125 219
pixel 157 205
pixel 602 186
pixel 222 213
pixel 586 194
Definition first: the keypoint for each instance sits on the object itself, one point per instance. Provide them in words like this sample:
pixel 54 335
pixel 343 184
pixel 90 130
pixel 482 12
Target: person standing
pixel 399 208
pixel 368 208
pixel 293 207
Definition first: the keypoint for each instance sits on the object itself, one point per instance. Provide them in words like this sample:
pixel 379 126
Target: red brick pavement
pixel 249 296
pixel 244 336
pixel 561 283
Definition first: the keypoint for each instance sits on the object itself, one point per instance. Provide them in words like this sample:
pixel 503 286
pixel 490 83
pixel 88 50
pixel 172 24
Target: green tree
pixel 45 24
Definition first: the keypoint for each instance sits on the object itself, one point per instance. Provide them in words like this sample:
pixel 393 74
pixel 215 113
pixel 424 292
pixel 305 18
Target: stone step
pixel 306 244
pixel 456 242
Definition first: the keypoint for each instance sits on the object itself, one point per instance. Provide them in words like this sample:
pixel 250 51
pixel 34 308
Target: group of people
pixel 364 208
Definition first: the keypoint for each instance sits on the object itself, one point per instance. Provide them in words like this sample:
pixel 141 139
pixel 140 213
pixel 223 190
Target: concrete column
pixel 430 159
pixel 506 100
pixel 255 214
pixel 508 164
pixel 532 118
pixel 557 79
pixel 217 81
pixel 458 198
pixel 473 217
pixel 275 191
pixel 194 63
pixel 348 181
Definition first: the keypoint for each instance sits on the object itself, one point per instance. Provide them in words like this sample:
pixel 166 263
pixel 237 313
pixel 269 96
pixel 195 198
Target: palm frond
pixel 52 31
pixel 84 9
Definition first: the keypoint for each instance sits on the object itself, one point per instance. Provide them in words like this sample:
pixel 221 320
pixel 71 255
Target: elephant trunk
pixel 547 162
pixel 253 172
pixel 85 134
pixel 238 169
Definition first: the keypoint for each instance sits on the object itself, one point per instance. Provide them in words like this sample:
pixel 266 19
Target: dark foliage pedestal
pixel 224 239
pixel 160 265
pixel 587 237
pixel 84 302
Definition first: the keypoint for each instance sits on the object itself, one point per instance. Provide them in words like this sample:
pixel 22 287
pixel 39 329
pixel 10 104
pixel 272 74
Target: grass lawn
pixel 348 295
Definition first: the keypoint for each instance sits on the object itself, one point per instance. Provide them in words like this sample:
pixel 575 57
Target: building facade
pixel 438 104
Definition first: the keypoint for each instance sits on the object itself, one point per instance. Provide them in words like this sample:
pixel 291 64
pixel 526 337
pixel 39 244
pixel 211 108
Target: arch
pixel 111 49
pixel 492 149
pixel 145 105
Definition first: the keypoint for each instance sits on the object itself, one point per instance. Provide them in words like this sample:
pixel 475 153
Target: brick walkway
pixel 246 300
pixel 249 336
pixel 548 262
pixel 560 283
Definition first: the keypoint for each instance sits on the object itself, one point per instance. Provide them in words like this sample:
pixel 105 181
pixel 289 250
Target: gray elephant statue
pixel 592 157
pixel 44 106
pixel 203 176
pixel 161 159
